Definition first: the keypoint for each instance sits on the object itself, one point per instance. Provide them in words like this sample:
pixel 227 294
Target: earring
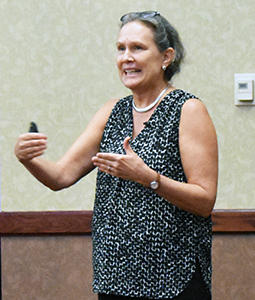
pixel 164 68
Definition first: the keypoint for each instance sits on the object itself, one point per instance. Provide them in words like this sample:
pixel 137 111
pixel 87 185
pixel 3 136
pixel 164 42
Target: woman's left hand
pixel 129 166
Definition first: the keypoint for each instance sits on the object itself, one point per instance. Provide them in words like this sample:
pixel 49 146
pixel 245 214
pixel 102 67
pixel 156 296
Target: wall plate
pixel 244 89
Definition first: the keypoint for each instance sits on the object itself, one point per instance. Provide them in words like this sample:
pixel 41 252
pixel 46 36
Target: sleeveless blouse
pixel 143 246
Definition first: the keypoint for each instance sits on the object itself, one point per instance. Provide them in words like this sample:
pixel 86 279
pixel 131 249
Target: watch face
pixel 154 185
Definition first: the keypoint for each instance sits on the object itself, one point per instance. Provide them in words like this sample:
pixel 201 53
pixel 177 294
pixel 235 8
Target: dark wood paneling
pixel 233 220
pixel 36 223
pixel 79 222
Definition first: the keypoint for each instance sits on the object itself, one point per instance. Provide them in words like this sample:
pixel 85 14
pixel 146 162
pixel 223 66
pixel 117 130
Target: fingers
pixel 30 145
pixel 106 162
pixel 127 146
pixel 33 136
pixel 118 165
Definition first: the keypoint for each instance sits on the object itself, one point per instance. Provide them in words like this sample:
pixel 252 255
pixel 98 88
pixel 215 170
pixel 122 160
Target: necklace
pixel 144 109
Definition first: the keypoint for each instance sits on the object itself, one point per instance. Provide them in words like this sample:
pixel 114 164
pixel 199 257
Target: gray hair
pixel 165 36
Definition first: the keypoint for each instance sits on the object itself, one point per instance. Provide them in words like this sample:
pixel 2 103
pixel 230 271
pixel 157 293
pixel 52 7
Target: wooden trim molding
pixel 51 222
pixel 233 220
pixel 79 222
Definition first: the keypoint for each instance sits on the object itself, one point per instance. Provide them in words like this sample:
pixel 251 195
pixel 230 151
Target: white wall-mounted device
pixel 244 89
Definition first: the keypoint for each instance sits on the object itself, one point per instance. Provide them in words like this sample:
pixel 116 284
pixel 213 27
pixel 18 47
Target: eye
pixel 138 47
pixel 120 48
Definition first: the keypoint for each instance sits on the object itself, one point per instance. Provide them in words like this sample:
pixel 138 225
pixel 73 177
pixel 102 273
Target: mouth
pixel 132 71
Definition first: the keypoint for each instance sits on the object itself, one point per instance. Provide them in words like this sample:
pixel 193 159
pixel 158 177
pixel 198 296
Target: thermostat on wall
pixel 244 89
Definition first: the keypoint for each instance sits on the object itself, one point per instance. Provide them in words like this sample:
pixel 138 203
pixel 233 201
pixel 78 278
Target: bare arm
pixel 75 164
pixel 199 154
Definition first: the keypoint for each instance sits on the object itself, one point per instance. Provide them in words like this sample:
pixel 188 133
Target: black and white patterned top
pixel 143 246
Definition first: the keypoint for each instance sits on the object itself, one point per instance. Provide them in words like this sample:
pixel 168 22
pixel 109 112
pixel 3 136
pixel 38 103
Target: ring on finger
pixel 109 168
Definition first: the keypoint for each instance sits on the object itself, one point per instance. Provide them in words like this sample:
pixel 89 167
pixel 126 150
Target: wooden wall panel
pixel 47 255
pixel 47 268
pixel 59 267
pixel 233 260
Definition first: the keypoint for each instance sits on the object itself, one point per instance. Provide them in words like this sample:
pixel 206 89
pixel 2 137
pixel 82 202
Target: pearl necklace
pixel 144 109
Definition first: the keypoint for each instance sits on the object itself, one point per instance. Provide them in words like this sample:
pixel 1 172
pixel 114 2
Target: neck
pixel 151 105
pixel 146 97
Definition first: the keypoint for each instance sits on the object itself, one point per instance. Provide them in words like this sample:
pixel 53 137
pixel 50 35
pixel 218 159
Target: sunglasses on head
pixel 144 14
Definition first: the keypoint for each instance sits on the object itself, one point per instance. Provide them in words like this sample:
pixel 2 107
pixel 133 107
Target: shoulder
pixel 188 102
pixel 179 97
pixel 109 105
pixel 194 106
pixel 100 118
pixel 122 102
pixel 118 107
pixel 181 94
pixel 106 109
pixel 112 107
pixel 195 117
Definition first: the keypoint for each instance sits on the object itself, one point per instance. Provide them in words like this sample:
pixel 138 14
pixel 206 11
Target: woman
pixel 156 153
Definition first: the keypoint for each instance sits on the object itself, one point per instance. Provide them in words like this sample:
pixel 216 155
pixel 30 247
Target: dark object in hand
pixel 33 127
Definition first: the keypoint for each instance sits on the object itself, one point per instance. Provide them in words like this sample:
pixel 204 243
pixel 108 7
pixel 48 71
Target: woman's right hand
pixel 29 146
pixel 75 163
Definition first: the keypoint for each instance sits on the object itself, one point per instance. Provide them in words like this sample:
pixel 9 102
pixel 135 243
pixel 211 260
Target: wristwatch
pixel 155 183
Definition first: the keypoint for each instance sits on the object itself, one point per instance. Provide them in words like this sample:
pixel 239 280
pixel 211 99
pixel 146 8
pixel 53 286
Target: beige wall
pixel 58 67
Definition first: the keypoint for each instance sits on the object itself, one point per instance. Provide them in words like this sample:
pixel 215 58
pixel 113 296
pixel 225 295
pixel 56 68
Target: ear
pixel 169 56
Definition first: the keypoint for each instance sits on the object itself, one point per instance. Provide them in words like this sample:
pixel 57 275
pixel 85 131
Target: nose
pixel 127 56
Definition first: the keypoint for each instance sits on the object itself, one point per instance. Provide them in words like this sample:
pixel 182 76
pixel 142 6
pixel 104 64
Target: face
pixel 139 60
